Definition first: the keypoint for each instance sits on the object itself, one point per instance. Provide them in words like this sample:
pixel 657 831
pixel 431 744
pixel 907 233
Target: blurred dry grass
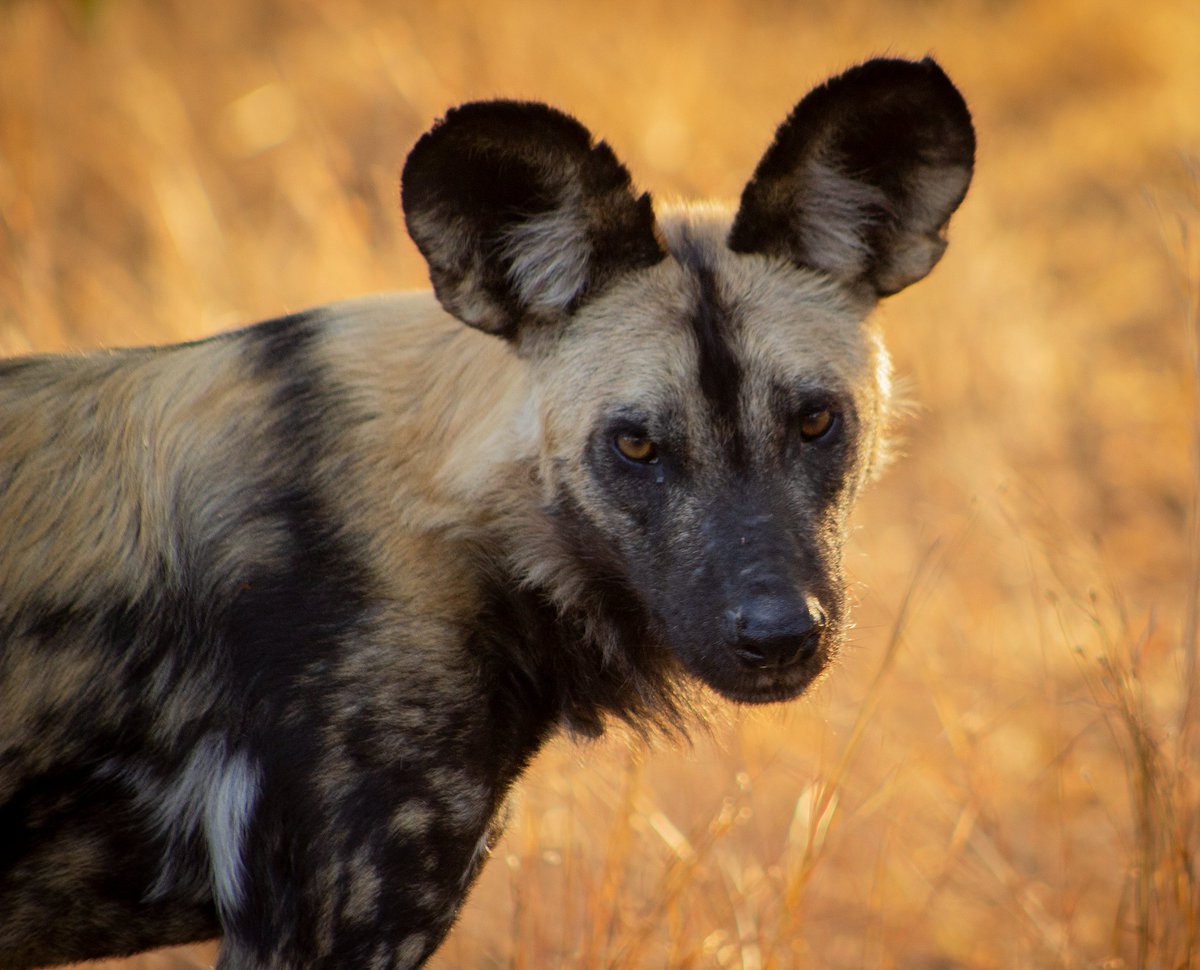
pixel 1002 773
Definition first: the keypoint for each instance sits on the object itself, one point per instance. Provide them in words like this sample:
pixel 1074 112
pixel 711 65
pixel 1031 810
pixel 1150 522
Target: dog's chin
pixel 764 689
pixel 764 686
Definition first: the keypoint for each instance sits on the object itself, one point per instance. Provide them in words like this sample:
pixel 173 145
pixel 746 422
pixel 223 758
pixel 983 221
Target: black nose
pixel 776 630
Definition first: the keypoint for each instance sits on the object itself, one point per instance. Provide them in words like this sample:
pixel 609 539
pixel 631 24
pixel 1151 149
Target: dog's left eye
pixel 817 424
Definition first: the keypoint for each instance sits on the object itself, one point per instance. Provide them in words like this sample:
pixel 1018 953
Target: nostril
pixel 775 631
pixel 778 651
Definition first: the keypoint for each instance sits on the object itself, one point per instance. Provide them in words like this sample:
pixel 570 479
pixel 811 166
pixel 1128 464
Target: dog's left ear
pixel 521 216
pixel 863 176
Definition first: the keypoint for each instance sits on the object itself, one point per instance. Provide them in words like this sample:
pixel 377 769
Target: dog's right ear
pixel 521 216
pixel 863 176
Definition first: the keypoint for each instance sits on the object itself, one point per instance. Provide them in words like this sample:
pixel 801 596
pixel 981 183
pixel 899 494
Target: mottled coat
pixel 284 612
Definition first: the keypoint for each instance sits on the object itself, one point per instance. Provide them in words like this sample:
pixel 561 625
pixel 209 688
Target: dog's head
pixel 709 393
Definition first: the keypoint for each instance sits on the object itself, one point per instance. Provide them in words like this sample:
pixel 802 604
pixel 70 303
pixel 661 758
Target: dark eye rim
pixel 652 460
pixel 835 424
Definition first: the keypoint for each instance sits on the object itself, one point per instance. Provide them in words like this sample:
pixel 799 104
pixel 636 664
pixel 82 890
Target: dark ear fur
pixel 863 176
pixel 520 216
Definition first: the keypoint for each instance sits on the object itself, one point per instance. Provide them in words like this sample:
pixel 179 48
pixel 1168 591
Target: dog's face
pixel 704 431
pixel 709 394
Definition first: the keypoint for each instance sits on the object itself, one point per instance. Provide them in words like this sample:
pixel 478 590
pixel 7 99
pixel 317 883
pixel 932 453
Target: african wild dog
pixel 284 612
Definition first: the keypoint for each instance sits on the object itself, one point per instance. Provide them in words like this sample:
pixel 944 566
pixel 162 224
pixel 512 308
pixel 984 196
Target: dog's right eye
pixel 636 448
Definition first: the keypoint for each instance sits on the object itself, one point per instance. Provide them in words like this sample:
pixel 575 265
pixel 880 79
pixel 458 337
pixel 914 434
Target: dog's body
pixel 283 613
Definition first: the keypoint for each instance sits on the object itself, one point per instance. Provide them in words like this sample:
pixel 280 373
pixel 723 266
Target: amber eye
pixel 817 424
pixel 637 448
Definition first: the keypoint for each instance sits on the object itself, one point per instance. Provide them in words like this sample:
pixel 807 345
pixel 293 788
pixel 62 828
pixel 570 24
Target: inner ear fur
pixel 521 215
pixel 863 176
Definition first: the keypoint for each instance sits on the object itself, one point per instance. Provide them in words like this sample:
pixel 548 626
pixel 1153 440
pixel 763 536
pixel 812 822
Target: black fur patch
pixel 550 666
pixel 105 902
pixel 14 367
pixel 276 346
pixel 88 795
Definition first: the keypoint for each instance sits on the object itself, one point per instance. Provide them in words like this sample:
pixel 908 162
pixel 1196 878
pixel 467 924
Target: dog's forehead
pixel 785 323
pixel 706 313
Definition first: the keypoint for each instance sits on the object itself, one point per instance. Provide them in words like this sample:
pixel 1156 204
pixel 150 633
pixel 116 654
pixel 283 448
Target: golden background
pixel 1002 772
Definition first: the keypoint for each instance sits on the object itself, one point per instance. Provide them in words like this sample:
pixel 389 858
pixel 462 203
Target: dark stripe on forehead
pixel 720 369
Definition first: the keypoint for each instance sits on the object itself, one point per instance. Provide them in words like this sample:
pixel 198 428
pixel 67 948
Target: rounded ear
pixel 520 216
pixel 863 176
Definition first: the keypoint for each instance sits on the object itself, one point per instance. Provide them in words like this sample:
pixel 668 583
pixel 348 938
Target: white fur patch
pixel 214 795
pixel 483 851
pixel 409 953
pixel 226 815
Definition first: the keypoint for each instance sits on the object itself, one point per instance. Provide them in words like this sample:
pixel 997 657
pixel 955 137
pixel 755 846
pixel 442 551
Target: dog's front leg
pixel 367 869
